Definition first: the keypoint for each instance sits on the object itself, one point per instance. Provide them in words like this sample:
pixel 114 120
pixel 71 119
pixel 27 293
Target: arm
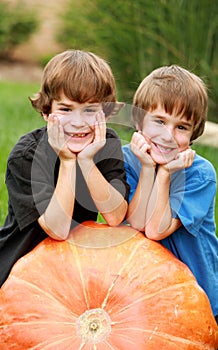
pixel 56 219
pixel 137 208
pixel 109 201
pixel 159 220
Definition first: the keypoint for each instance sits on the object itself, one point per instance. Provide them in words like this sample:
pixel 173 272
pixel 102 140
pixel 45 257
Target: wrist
pixel 163 173
pixel 67 162
pixel 85 163
pixel 148 169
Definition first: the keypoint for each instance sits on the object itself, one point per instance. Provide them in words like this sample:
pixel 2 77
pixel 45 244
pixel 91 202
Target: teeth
pixel 164 149
pixel 78 135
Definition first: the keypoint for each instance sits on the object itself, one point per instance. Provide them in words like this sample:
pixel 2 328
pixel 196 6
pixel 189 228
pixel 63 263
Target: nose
pixel 76 119
pixel 168 134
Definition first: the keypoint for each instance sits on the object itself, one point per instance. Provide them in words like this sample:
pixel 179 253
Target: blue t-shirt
pixel 192 200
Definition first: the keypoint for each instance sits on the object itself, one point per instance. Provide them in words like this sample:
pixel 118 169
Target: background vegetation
pixel 17 24
pixel 16 118
pixel 135 37
pixel 138 36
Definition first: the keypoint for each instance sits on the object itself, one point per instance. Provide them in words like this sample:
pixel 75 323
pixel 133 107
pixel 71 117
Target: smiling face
pixel 77 120
pixel 167 134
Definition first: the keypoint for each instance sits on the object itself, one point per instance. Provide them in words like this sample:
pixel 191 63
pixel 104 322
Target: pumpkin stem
pixel 93 326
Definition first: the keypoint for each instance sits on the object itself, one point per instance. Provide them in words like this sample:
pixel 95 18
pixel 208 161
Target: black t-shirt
pixel 31 178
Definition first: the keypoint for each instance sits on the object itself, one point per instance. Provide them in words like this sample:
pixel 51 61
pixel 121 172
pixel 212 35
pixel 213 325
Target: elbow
pixel 113 221
pixel 116 217
pixel 154 233
pixel 60 237
pixel 135 222
pixel 136 225
pixel 58 234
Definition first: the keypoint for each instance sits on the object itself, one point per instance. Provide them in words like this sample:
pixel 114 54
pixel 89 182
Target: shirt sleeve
pixel 132 168
pixel 30 187
pixel 192 195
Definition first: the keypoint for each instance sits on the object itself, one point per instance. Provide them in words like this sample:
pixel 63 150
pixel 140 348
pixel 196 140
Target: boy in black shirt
pixel 65 173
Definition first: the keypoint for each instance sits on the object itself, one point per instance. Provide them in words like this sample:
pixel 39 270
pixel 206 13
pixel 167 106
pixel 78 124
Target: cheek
pixel 183 142
pixel 148 132
pixel 90 119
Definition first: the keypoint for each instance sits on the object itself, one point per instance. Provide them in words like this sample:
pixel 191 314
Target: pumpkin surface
pixel 104 289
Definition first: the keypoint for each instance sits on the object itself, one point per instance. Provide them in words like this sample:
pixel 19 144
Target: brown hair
pixel 177 91
pixel 81 76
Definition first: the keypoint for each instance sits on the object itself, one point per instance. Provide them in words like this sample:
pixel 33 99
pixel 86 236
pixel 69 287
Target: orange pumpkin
pixel 104 289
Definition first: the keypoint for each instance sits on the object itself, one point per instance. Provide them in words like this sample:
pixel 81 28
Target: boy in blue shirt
pixel 172 189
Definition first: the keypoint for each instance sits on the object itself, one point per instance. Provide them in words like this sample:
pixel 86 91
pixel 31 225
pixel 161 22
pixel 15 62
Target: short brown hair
pixel 176 90
pixel 81 76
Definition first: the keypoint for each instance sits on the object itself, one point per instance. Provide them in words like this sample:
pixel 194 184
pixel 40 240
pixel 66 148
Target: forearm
pixel 137 208
pixel 56 220
pixel 108 200
pixel 159 221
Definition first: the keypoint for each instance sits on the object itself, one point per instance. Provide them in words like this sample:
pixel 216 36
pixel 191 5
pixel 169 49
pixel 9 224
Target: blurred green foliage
pixel 17 117
pixel 137 36
pixel 17 23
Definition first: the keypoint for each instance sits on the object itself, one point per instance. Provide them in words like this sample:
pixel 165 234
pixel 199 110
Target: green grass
pixel 18 117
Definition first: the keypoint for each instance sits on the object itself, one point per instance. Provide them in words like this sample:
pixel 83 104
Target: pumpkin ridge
pixel 119 273
pixel 42 292
pixel 74 249
pixel 127 339
pixel 195 345
pixel 49 345
pixel 109 346
pixel 151 295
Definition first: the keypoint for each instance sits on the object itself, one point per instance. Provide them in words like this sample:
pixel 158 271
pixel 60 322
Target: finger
pixel 141 143
pixel 188 157
pixel 51 127
pixel 55 133
pixel 135 139
pixel 100 127
pixel 145 148
pixel 56 130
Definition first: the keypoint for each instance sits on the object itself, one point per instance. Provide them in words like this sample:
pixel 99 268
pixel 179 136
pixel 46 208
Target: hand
pixel 141 148
pixel 183 160
pixel 56 138
pixel 99 139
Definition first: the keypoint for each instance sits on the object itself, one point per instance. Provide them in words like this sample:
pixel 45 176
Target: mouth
pixel 77 135
pixel 163 149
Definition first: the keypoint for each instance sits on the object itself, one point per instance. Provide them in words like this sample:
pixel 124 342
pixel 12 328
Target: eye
pixel 182 127
pixel 159 121
pixel 65 109
pixel 90 110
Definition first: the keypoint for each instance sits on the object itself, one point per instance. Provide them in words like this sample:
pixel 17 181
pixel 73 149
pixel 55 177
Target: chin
pixel 76 148
pixel 162 159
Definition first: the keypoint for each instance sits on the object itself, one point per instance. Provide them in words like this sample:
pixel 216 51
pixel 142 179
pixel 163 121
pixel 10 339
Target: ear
pixel 112 108
pixel 137 126
pixel 117 107
pixel 45 117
